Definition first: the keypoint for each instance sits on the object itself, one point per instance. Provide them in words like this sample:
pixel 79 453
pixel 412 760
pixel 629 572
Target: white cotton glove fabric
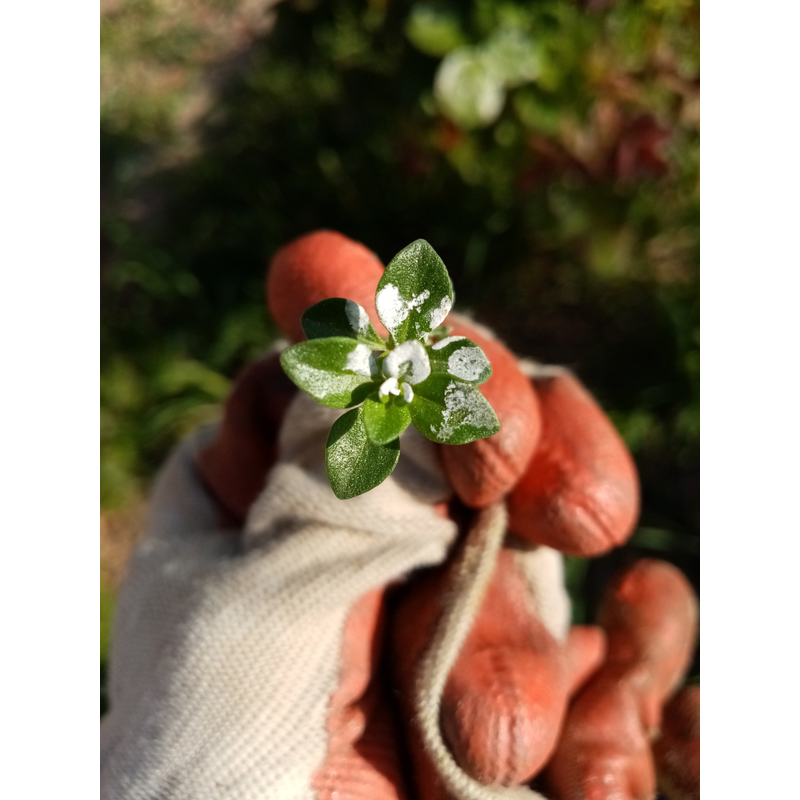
pixel 225 650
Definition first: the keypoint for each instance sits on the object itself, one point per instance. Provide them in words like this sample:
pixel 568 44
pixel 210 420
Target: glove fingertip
pixel 677 750
pixel 580 491
pixel 315 267
pixel 586 648
pixel 234 466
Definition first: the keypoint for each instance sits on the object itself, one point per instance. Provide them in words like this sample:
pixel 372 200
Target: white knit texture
pixel 224 654
pixel 226 649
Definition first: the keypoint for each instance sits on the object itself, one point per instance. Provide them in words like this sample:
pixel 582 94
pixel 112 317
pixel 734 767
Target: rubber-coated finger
pixel 677 750
pixel 650 619
pixel 586 649
pixel 580 492
pixel 604 752
pixel 505 697
pixel 315 267
pixel 234 466
pixel 361 761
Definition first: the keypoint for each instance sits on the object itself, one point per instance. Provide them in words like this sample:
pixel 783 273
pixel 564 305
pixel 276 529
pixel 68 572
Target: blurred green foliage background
pixel 548 150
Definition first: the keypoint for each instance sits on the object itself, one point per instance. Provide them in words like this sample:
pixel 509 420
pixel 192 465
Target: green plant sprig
pixel 419 375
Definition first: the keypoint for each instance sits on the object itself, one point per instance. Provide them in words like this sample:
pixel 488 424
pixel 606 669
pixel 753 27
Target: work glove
pixel 251 656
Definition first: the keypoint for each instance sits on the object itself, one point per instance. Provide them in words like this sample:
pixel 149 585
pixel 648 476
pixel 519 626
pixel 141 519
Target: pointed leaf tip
pixel 354 464
pixel 414 294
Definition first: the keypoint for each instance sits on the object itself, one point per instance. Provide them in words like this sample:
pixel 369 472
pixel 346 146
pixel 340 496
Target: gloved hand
pixel 248 665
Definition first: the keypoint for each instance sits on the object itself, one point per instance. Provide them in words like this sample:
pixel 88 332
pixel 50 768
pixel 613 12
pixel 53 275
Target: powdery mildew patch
pixel 463 406
pixel 446 341
pixel 317 382
pixel 393 309
pixel 409 361
pixel 467 363
pixel 357 317
pixel 361 360
pixel 438 314
pixel 348 450
pixel 389 386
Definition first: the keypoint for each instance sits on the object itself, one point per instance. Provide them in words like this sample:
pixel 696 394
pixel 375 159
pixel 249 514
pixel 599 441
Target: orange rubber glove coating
pixel 235 466
pixel 580 492
pixel 506 694
pixel 315 267
pixel 586 648
pixel 362 760
pixel 677 750
pixel 650 619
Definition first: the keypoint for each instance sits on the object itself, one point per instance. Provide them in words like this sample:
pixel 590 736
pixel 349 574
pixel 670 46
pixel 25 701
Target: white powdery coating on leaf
pixel 467 363
pixel 446 341
pixel 408 392
pixel 316 382
pixel 408 361
pixel 393 309
pixel 438 314
pixel 389 386
pixel 418 300
pixel 357 317
pixel 463 406
pixel 348 451
pixel 361 361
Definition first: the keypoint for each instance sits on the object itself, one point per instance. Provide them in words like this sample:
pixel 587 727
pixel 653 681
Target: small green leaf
pixel 339 317
pixel 460 358
pixel 440 333
pixel 414 294
pixel 336 372
pixel 512 56
pixel 354 464
pixel 451 412
pixel 434 30
pixel 467 89
pixel 384 422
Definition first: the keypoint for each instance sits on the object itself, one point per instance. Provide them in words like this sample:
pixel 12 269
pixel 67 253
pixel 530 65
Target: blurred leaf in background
pixel 548 150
